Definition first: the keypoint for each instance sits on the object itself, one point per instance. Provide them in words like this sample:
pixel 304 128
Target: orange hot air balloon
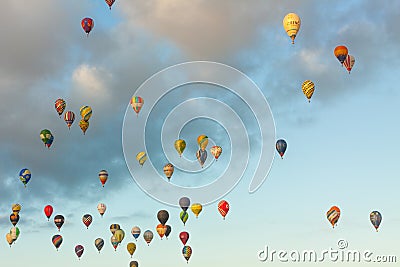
pixel 333 215
pixel 223 208
pixel 103 176
pixel 341 53
pixel 161 230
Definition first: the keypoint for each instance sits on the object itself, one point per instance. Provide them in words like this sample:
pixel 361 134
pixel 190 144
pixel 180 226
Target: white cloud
pixel 90 82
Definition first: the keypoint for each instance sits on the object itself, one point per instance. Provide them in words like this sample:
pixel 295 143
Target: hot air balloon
pixel 187 252
pixel 48 210
pixel 25 176
pixel 87 25
pixel 137 103
pixel 168 170
pixel 348 63
pixel 216 151
pixel 16 208
pixel 114 242
pixel 161 230
pixel 103 176
pixel 101 208
pixel 99 243
pixel 168 231
pixel 135 232
pixel 60 106
pixel 87 220
pixel 84 125
pixel 223 208
pixel 163 216
pixel 201 156
pixel 119 235
pixel 14 232
pixel 333 215
pixel 110 3
pixel 148 236
pixel 184 217
pixel 202 141
pixel 14 219
pixel 114 227
pixel 57 240
pixel 86 112
pixel 141 157
pixel 133 264
pixel 291 24
pixel 79 250
pixel 375 218
pixel 281 146
pixel 196 208
pixel 180 146
pixel 131 247
pixel 46 137
pixel 308 89
pixel 69 118
pixel 9 239
pixel 59 221
pixel 184 203
pixel 184 237
pixel 340 53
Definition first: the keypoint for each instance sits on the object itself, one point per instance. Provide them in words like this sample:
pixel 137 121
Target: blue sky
pixel 342 147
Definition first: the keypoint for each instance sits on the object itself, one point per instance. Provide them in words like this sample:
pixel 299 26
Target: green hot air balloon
pixel 184 217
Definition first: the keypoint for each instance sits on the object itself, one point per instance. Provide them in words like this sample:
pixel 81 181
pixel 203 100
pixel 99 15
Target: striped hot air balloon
pixel 308 88
pixel 333 215
pixel 69 118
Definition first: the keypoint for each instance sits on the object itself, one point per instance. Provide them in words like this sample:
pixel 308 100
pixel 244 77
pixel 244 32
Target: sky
pixel 342 147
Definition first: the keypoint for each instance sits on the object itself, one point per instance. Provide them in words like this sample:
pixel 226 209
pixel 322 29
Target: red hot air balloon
pixel 79 250
pixel 184 237
pixel 87 25
pixel 87 220
pixel 48 210
pixel 110 3
pixel 223 208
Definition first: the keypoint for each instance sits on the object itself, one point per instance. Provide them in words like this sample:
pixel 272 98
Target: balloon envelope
pixel 48 210
pixel 99 243
pixel 340 53
pixel 168 170
pixel 57 240
pixel 25 176
pixel 187 252
pixel 79 250
pixel 375 218
pixel 348 63
pixel 184 237
pixel 60 106
pixel 216 151
pixel 333 215
pixel 180 146
pixel 141 157
pixel 137 102
pixel 87 220
pixel 184 203
pixel 135 232
pixel 101 208
pixel 87 25
pixel 223 208
pixel 281 146
pixel 148 236
pixel 131 247
pixel 201 156
pixel 308 89
pixel 103 176
pixel 59 221
pixel 196 208
pixel 163 216
pixel 291 23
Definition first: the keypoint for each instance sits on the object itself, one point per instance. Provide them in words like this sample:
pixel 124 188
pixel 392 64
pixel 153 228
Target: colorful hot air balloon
pixel 163 216
pixel 57 240
pixel 308 89
pixel 168 231
pixel 101 208
pixel 161 230
pixel 114 242
pixel 103 176
pixel 223 208
pixel 87 220
pixel 87 25
pixel 133 264
pixel 333 215
pixel 281 146
pixel 14 232
pixel 110 3
pixel 148 236
pixel 25 176
pixel 184 217
pixel 59 221
pixel 348 63
pixel 216 151
pixel 180 146
pixel 201 156
pixel 99 243
pixel 69 118
pixel 291 24
pixel 86 112
pixel 48 210
pixel 196 208
pixel 202 141
pixel 84 125
pixel 184 237
pixel 79 250
pixel 114 227
pixel 119 235
pixel 375 218
pixel 14 219
pixel 168 170
pixel 141 157
pixel 60 106
pixel 340 53
pixel 16 208
pixel 46 137
pixel 9 239
pixel 135 232
pixel 131 247
pixel 187 252
pixel 137 103
pixel 184 203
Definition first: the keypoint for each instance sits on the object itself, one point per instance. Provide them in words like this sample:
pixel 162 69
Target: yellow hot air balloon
pixel 131 247
pixel 16 208
pixel 141 157
pixel 291 24
pixel 86 112
pixel 196 208
pixel 202 140
pixel 119 235
pixel 84 125
pixel 308 89
pixel 180 146
pixel 9 239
